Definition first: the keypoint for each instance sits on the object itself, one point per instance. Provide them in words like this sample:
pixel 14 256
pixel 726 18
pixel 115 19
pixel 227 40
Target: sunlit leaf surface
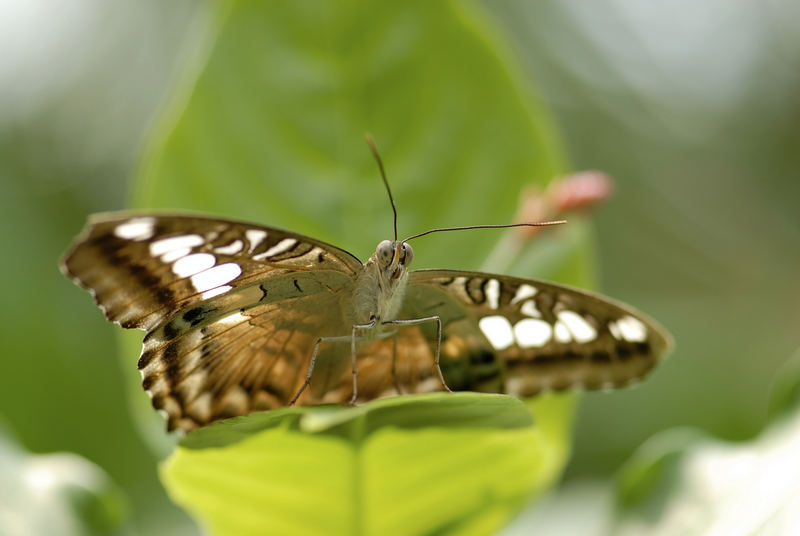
pixel 441 463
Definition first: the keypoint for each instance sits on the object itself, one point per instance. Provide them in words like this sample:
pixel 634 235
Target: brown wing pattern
pixel 413 370
pixel 232 310
pixel 142 268
pixel 523 336
pixel 247 350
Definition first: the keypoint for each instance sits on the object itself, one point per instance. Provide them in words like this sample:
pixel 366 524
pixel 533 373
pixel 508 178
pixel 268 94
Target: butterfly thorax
pixel 380 288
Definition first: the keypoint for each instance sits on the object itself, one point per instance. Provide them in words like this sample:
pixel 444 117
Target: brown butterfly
pixel 241 317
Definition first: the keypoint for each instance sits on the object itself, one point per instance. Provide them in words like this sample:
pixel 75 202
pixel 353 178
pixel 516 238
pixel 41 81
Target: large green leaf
pixel 273 129
pixel 270 128
pixel 440 463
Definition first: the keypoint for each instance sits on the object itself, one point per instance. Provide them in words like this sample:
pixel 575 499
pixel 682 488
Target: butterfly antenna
pixel 374 148
pixel 501 226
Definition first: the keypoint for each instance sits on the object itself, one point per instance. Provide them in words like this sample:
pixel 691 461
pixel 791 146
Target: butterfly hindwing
pixel 530 336
pixel 386 369
pixel 242 359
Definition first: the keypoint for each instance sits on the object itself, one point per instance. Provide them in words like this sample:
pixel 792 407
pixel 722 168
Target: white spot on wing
pixel 136 229
pixel 523 292
pixel 632 329
pixel 612 327
pixel 493 293
pixel 531 332
pixel 311 257
pixel 234 318
pixel 175 254
pixel 529 309
pixel 193 264
pixel 216 276
pixel 233 248
pixel 581 330
pixel 255 236
pixel 281 247
pixel 561 332
pixel 498 330
pixel 159 247
pixel 460 282
pixel 216 291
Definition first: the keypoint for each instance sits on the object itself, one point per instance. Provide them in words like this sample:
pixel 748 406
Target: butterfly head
pixel 393 257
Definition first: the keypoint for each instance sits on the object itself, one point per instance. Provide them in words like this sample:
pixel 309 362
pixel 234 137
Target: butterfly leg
pixel 320 340
pixel 354 350
pixel 416 321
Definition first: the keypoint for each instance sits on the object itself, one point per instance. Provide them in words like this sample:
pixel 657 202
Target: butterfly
pixel 235 311
pixel 240 317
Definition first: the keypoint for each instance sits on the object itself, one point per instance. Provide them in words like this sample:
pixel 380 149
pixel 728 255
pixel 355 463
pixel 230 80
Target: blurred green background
pixel 693 109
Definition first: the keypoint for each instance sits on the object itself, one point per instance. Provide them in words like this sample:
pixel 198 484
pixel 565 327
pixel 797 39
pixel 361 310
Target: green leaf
pixel 410 412
pixel 268 125
pixel 273 128
pixel 442 463
pixel 785 391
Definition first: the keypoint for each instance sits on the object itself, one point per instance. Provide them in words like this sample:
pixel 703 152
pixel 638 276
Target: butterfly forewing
pixel 524 336
pixel 143 268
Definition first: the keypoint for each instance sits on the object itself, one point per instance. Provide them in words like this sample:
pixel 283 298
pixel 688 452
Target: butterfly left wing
pixel 524 336
pixel 232 310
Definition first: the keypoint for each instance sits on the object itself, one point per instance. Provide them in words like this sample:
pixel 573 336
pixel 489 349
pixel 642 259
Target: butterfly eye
pixel 408 254
pixel 385 252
